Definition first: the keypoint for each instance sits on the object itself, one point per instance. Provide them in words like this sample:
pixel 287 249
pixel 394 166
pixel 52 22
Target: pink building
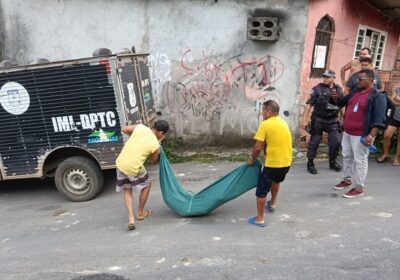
pixel 338 29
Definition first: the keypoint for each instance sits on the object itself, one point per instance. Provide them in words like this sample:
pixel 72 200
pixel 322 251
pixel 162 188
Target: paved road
pixel 314 233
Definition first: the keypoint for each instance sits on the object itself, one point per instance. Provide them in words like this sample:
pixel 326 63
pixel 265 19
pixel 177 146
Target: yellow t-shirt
pixel 139 146
pixel 275 132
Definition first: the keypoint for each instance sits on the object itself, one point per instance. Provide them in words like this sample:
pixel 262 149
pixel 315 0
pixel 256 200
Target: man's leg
pixel 277 176
pixel 396 160
pixel 274 193
pixel 263 188
pixel 129 204
pixel 361 167
pixel 348 157
pixel 144 195
pixel 316 135
pixel 360 161
pixel 334 146
pixel 348 163
pixel 387 139
pixel 260 209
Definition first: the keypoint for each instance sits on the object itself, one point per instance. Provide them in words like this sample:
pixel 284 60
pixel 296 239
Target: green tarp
pixel 186 203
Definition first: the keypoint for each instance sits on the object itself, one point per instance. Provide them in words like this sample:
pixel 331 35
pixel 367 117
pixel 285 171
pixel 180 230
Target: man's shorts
pixel 394 123
pixel 269 175
pixel 137 183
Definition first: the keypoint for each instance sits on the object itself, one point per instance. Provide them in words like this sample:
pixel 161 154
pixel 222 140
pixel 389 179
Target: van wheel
pixel 78 178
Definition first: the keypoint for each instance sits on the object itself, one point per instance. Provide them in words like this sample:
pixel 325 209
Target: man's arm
pixel 304 120
pixel 396 101
pixel 369 139
pixel 351 84
pixel 155 156
pixel 341 114
pixel 340 95
pixel 378 118
pixel 311 98
pixel 258 146
pixel 128 129
pixel 346 90
pixel 343 72
pixel 374 131
pixel 395 98
pixel 378 82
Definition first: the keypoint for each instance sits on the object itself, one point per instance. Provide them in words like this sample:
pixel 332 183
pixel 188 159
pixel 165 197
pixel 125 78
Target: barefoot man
pixel 131 173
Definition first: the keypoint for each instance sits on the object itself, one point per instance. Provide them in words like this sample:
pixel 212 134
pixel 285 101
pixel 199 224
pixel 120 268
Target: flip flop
pixel 380 160
pixel 269 207
pixel 396 163
pixel 131 226
pixel 252 221
pixel 146 213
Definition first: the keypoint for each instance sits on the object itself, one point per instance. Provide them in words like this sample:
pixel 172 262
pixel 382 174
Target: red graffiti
pixel 256 77
pixel 205 88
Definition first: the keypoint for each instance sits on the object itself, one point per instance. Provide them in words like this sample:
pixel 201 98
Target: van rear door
pixel 131 98
pixel 142 65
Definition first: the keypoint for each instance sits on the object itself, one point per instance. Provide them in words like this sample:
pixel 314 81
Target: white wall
pixel 206 74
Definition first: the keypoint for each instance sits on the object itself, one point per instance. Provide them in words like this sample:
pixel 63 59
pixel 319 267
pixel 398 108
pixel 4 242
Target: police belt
pixel 325 115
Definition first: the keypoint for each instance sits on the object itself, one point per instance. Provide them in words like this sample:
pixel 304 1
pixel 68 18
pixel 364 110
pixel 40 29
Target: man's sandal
pixel 131 226
pixel 381 159
pixel 269 206
pixel 146 214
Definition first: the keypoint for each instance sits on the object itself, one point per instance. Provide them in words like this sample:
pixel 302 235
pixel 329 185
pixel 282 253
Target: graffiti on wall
pixel 208 87
pixel 160 73
pixel 239 120
pixel 256 77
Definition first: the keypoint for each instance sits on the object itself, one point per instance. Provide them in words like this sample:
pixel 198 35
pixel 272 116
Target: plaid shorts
pixel 137 183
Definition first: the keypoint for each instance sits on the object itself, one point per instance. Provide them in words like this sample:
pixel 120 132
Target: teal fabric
pixel 185 203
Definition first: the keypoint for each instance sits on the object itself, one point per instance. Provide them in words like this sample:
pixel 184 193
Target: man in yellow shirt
pixel 131 173
pixel 273 134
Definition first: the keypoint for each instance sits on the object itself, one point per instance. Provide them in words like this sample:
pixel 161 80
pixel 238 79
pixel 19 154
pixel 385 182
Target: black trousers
pixel 317 128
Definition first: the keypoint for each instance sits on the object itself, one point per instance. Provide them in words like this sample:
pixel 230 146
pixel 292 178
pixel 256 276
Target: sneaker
pixel 342 185
pixel 335 166
pixel 311 169
pixel 354 192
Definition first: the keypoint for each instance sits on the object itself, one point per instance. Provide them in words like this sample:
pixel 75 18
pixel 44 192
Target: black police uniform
pixel 324 118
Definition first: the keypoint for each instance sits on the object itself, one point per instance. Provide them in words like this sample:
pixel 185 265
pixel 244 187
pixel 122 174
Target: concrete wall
pixel 1 33
pixel 208 79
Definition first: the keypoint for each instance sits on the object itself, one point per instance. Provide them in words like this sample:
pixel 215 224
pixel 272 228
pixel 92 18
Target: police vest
pixel 322 107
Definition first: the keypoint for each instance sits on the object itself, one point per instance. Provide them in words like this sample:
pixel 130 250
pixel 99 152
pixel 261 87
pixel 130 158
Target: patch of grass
pixel 173 150
pixel 205 157
pixel 202 157
pixel 240 157
pixel 170 145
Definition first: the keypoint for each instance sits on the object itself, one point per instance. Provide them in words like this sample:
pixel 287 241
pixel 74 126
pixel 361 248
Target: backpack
pixel 390 108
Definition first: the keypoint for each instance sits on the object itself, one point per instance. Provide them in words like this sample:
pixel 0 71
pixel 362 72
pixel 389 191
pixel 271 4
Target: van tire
pixel 78 178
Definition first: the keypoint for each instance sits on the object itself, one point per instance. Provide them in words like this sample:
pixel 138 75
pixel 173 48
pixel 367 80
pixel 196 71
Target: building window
pixel 322 45
pixel 373 39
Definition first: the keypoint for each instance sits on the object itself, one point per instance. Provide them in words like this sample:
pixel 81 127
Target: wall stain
pixel 17 44
pixel 2 41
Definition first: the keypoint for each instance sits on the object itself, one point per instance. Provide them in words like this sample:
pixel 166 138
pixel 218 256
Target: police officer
pixel 323 98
